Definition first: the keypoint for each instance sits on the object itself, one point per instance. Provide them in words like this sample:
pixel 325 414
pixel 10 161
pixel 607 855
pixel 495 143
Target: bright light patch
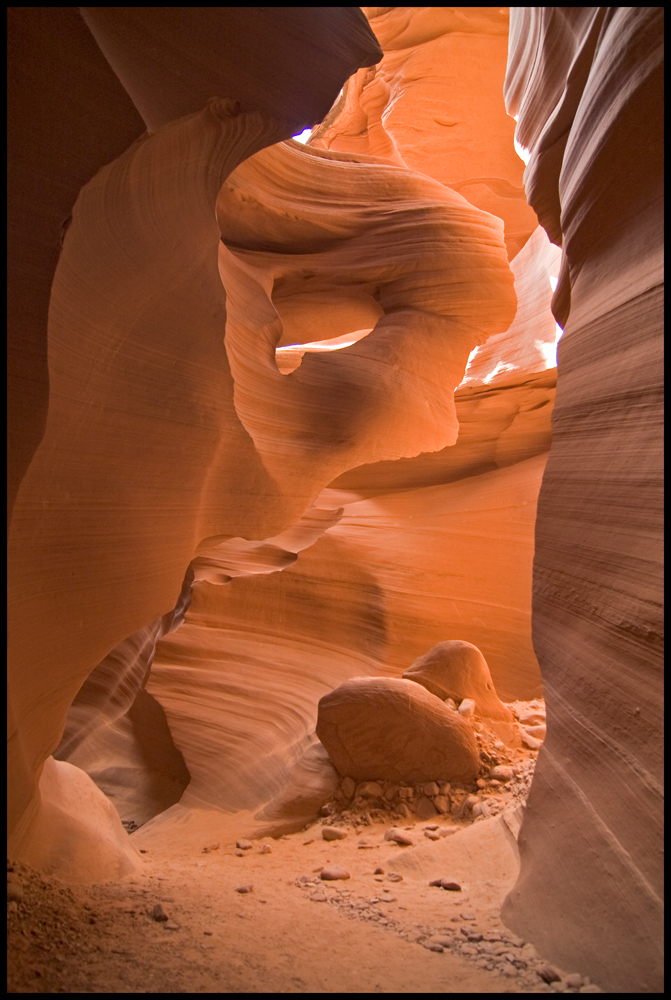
pixel 524 154
pixel 303 136
pixel 553 282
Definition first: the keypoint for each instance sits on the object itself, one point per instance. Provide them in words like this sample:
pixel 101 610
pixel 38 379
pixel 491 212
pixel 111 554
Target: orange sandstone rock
pixel 394 730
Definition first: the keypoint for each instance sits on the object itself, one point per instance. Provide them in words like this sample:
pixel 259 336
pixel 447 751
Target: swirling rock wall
pixel 585 84
pixel 120 488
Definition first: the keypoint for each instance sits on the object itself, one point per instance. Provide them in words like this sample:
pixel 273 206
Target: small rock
pixel 548 974
pixel 333 833
pixel 370 790
pixel 305 842
pixel 348 787
pixel 479 728
pixel 425 809
pixel 440 939
pixel 431 835
pixel 491 936
pixel 318 897
pixel 501 773
pixel 394 877
pixel 363 845
pixel 467 708
pixel 333 874
pixel 468 949
pixel 574 980
pixel 499 745
pixel 451 703
pixel 481 783
pixel 431 788
pixel 159 913
pixel 442 804
pixel 14 889
pixel 404 812
pixel 239 854
pixel 538 732
pixel 12 906
pixel 452 887
pixel 467 914
pixel 244 845
pixel 170 926
pixel 244 888
pixel 379 871
pixel 470 802
pixel 431 946
pixel 406 793
pixel 530 742
pixel 265 849
pixel 328 809
pixel 207 933
pixel 398 837
pixel 558 987
pixel 448 831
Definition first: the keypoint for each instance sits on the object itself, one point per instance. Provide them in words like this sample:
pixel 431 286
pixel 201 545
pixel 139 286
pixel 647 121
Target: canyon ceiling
pixel 219 513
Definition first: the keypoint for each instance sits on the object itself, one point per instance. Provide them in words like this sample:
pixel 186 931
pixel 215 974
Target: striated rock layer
pixel 125 481
pixel 585 86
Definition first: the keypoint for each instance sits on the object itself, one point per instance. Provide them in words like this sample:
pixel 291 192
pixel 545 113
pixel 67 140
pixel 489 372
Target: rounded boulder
pixel 395 730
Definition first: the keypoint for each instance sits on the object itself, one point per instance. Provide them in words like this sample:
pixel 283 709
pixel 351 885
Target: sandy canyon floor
pixel 384 929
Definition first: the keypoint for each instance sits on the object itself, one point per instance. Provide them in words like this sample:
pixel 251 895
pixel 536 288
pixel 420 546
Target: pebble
pixel 431 788
pixel 379 871
pixel 425 808
pixel 468 915
pixel 318 897
pixel 431 835
pixel 333 874
pixel 14 889
pixel 431 946
pixel 530 741
pixel 370 790
pixel 239 854
pixel 442 804
pixel 501 773
pixel 547 973
pixel 574 980
pixel 245 888
pixel 468 949
pixel 467 708
pixel 448 831
pixel 394 877
pixel 244 845
pixel 398 837
pixel 348 787
pixel 451 703
pixel 159 913
pixel 333 833
pixel 265 849
pixel 170 926
pixel 499 745
pixel 538 732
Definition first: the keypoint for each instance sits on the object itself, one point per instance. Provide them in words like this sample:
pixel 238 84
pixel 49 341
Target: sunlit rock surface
pixel 585 85
pixel 434 104
pixel 274 417
pixel 126 479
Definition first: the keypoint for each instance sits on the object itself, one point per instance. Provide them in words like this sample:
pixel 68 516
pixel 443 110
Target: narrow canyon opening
pixel 295 556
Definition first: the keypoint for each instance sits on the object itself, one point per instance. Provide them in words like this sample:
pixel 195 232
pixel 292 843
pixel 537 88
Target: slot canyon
pixel 335 500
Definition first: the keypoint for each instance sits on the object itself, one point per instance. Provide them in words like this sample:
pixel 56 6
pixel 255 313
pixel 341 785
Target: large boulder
pixel 379 727
pixel 457 669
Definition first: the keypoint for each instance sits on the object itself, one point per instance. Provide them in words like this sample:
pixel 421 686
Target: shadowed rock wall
pixel 585 84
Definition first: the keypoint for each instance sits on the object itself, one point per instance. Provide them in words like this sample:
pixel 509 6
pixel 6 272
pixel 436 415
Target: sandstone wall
pixel 585 86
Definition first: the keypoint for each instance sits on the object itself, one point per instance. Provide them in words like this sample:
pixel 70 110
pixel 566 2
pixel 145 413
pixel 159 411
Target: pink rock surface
pixel 585 86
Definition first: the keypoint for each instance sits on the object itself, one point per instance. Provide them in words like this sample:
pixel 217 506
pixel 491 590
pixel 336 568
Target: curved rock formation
pixel 585 84
pixel 433 104
pixel 118 492
pixel 457 669
pixel 395 730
